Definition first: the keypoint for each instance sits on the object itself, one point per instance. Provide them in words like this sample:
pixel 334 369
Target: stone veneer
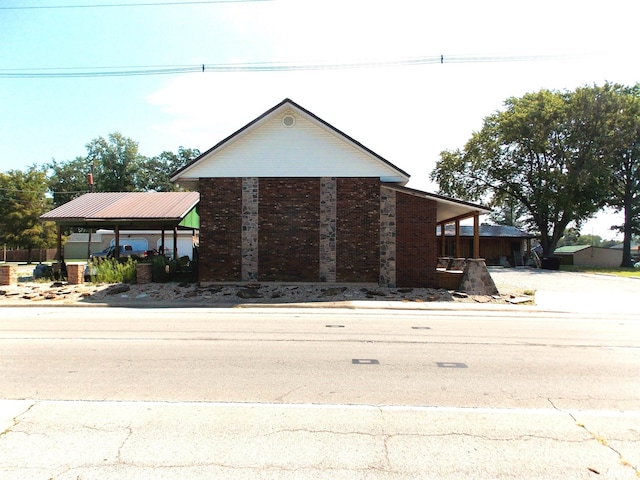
pixel 476 279
pixel 328 202
pixel 250 202
pixel 387 237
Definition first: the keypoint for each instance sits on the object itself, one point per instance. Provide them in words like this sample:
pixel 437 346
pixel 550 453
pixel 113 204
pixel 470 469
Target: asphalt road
pixel 284 393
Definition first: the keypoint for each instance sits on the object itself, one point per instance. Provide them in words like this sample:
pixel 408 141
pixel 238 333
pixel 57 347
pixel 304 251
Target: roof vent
pixel 288 121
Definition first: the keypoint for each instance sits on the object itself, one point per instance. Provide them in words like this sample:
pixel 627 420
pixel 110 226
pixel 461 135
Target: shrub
pixel 111 270
pixel 163 269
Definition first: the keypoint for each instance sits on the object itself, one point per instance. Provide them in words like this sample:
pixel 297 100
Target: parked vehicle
pixel 124 251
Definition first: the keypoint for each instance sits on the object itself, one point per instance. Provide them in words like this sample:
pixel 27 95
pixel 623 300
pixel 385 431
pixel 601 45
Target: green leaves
pixel 548 151
pixel 22 200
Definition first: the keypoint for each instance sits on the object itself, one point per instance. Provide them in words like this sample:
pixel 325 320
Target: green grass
pixel 619 272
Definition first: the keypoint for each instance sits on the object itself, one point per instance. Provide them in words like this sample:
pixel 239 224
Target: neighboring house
pixel 589 256
pixel 499 244
pixel 635 250
pixel 289 197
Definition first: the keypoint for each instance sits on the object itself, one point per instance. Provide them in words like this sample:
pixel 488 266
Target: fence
pixel 37 255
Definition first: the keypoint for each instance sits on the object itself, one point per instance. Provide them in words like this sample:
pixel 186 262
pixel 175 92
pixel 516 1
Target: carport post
pixel 175 243
pixel 458 255
pixel 117 249
pixel 59 243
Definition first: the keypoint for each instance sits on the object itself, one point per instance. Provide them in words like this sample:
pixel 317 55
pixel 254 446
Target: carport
pixel 163 211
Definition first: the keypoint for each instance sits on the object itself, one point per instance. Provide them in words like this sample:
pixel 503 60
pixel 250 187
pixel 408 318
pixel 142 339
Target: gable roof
pixel 307 147
pixel 568 249
pixel 139 209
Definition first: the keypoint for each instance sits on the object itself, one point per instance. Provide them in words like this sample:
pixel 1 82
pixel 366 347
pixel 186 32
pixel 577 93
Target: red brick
pixel 358 230
pixel 220 229
pixel 416 246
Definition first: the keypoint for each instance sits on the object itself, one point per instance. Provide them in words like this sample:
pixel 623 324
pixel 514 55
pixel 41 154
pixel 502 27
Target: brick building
pixel 290 198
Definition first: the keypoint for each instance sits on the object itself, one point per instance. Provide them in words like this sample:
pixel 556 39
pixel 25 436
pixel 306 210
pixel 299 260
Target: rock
pixel 375 293
pixel 405 290
pixel 517 300
pixel 191 294
pixel 57 285
pixel 247 293
pixel 331 292
pixel 481 298
pixel 119 288
pixel 252 286
pixel 460 295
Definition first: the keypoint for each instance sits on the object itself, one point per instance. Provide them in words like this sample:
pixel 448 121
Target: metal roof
pixel 125 208
pixel 568 249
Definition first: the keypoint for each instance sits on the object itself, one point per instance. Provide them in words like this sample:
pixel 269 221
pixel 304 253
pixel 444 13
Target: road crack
pixel 600 439
pixel 16 420
pixel 126 439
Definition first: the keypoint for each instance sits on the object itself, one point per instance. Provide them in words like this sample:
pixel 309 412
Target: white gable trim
pixel 289 141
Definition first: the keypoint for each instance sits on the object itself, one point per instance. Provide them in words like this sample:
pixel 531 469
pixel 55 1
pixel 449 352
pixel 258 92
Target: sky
pixel 471 56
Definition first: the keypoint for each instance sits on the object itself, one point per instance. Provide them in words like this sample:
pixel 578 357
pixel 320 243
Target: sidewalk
pixel 69 440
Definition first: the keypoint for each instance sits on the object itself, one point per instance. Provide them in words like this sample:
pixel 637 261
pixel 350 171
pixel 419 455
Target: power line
pixel 130 71
pixel 119 5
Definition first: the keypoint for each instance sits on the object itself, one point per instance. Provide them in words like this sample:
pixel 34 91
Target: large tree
pixel 624 156
pixel 68 180
pixel 545 150
pixel 115 162
pixel 115 165
pixel 156 171
pixel 24 199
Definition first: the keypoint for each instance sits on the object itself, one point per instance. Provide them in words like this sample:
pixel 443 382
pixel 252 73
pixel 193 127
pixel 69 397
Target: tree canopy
pixel 116 166
pixel 624 156
pixel 549 151
pixel 24 199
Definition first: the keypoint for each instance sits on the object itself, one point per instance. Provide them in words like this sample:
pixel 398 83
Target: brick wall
pixel 220 229
pixel 358 230
pixel 289 232
pixel 416 245
pixel 289 229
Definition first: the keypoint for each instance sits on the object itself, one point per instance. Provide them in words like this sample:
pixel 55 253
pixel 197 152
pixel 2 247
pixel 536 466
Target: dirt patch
pixel 186 294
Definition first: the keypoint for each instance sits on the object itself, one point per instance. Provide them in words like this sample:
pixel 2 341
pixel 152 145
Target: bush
pixel 111 270
pixel 163 269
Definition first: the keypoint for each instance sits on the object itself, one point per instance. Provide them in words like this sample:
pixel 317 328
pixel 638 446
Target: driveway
pixel 569 291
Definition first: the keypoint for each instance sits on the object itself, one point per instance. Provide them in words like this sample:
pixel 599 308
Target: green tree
pixel 155 172
pixel 624 156
pixel 545 150
pixel 68 180
pixel 508 211
pixel 116 163
pixel 571 236
pixel 24 199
